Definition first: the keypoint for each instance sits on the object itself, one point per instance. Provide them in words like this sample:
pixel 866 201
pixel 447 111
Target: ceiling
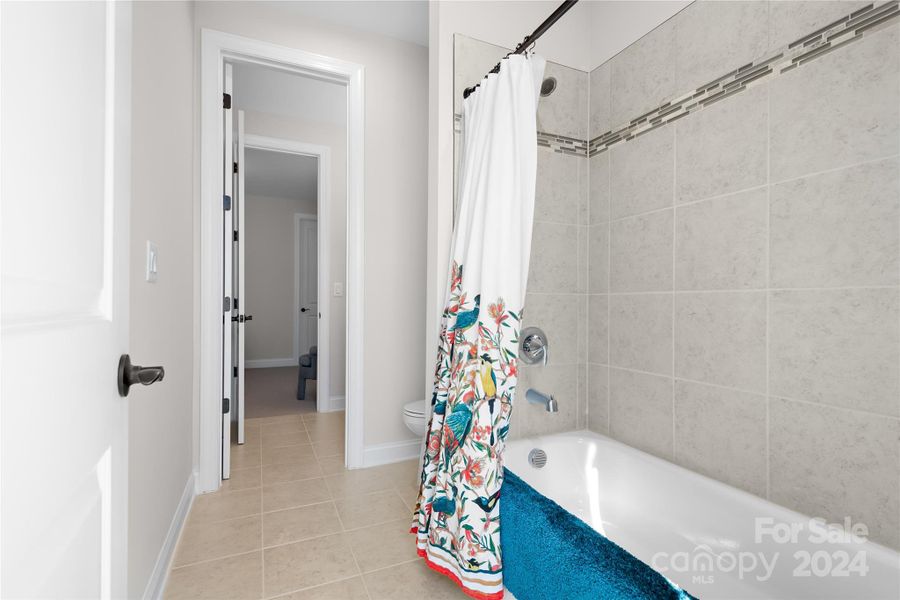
pixel 404 20
pixel 265 90
pixel 280 175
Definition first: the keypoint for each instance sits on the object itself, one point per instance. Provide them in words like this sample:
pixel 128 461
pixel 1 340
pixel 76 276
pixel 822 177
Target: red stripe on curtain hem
pixel 443 571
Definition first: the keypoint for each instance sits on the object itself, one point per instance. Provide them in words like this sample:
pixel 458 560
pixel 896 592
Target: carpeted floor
pixel 273 392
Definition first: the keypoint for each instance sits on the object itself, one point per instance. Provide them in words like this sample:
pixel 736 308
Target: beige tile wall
pixel 744 293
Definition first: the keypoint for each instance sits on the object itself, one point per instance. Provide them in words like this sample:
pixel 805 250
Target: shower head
pixel 548 86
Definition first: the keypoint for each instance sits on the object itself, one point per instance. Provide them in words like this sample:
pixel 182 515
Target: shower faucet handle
pixel 534 347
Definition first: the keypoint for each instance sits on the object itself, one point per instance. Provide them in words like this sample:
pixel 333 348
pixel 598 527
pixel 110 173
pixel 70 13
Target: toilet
pixel 414 417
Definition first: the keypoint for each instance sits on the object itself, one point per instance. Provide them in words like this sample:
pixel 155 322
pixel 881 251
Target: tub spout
pixel 547 400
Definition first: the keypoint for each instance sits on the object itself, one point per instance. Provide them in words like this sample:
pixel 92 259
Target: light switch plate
pixel 152 262
pixel 338 289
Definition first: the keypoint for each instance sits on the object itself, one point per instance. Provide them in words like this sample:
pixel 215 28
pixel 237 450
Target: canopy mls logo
pixel 835 557
pixel 703 564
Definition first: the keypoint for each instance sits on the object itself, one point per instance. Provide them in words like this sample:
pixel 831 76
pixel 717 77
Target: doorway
pixel 278 271
pixel 278 239
pixel 336 380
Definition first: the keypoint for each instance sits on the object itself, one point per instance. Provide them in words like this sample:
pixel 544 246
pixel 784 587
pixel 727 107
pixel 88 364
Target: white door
pixel 65 159
pixel 307 233
pixel 239 275
pixel 228 275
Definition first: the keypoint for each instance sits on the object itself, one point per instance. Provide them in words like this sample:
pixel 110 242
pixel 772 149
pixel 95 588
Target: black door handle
pixel 242 318
pixel 129 374
pixel 248 318
pixel 304 309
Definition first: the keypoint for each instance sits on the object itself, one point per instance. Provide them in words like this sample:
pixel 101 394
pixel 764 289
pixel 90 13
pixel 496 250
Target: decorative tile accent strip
pixel 818 43
pixel 557 143
pixel 845 30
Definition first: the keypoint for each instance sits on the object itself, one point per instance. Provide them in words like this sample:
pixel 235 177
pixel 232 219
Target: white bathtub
pixel 698 532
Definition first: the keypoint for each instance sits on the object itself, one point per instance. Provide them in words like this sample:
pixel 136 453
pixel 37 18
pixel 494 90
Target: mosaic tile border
pixel 839 33
pixel 810 47
pixel 557 143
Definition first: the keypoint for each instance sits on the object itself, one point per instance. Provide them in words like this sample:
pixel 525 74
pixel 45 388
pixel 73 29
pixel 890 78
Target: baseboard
pixel 157 583
pixel 268 363
pixel 391 452
pixel 337 403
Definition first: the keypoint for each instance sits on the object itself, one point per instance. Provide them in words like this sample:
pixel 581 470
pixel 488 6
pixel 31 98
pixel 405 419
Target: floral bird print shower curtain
pixel 457 518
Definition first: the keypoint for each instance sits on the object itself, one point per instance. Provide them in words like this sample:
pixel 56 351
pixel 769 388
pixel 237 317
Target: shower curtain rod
pixel 530 39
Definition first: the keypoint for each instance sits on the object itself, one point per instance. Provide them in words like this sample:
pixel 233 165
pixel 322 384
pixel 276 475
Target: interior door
pixel 239 275
pixel 308 260
pixel 64 198
pixel 228 274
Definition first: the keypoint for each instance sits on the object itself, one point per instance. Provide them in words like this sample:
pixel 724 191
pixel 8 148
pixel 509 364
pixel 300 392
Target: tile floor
pixel 293 523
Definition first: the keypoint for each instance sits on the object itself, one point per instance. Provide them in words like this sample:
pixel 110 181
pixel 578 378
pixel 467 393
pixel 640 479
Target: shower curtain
pixel 457 518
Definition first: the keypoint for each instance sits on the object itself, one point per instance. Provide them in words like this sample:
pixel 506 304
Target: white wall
pixel 269 270
pixel 162 324
pixel 617 25
pixel 395 193
pixel 333 137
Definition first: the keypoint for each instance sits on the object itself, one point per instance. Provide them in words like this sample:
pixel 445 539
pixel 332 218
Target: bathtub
pixel 709 538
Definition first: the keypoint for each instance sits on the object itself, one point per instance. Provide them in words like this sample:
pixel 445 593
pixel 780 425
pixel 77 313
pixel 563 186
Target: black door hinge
pixel 226 100
pixel 226 304
pixel 235 304
pixel 235 236
pixel 234 372
pixel 235 167
pixel 226 405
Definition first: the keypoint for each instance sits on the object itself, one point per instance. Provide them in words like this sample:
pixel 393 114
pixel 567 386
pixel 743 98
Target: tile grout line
pixel 761 394
pixel 674 235
pixel 609 204
pixel 753 188
pixel 768 284
pixel 262 538
pixel 359 570
pixel 757 290
pixel 312 587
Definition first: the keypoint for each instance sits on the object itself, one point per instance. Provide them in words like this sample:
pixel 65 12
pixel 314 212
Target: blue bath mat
pixel 549 553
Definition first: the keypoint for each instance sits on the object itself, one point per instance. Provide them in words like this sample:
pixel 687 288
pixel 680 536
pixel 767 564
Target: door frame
pixel 321 405
pixel 216 48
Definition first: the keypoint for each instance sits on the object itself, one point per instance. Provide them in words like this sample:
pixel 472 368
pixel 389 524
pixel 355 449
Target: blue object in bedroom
pixel 550 553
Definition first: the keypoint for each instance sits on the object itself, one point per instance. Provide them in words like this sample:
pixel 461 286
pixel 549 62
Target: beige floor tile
pixel 383 545
pixel 323 417
pixel 331 465
pixel 333 447
pixel 325 430
pixel 410 581
pixel 226 505
pixel 287 454
pixel 358 481
pixel 348 589
pixel 371 509
pixel 206 541
pixel 295 524
pixel 409 494
pixel 294 493
pixel 291 472
pixel 233 578
pixel 293 418
pixel 308 563
pixel 252 438
pixel 282 428
pixel 404 473
pixel 292 438
pixel 244 457
pixel 242 479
